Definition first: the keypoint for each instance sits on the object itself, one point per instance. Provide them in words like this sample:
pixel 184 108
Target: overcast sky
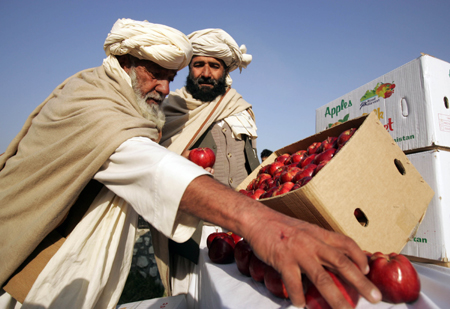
pixel 305 53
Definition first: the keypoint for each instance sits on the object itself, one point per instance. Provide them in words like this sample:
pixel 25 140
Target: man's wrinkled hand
pixel 294 247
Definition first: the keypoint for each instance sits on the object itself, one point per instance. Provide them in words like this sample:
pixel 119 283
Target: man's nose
pixel 206 72
pixel 163 87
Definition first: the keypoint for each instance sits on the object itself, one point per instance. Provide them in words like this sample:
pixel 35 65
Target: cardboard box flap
pixel 373 174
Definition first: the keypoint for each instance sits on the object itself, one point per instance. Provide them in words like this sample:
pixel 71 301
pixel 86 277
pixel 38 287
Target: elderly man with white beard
pixel 87 162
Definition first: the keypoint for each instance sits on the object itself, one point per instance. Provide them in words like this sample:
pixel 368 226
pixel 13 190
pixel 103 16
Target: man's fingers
pixel 353 276
pixel 349 247
pixel 350 272
pixel 186 154
pixel 328 289
pixel 294 286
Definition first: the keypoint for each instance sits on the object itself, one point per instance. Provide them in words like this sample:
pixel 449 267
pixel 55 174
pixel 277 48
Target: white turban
pixel 161 44
pixel 219 44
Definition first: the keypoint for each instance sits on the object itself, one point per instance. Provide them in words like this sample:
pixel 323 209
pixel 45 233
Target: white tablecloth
pixel 223 286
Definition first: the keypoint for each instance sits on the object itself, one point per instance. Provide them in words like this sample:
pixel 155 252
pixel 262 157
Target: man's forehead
pixel 205 59
pixel 156 68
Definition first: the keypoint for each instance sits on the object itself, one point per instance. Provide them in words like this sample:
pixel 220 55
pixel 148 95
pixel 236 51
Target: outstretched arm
pixel 290 245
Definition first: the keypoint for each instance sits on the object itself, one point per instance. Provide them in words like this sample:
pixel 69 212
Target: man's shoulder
pixel 84 77
pixel 176 97
pixel 181 92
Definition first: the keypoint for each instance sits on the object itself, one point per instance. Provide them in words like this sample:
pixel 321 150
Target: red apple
pixel 305 180
pixel 282 158
pixel 251 185
pixel 329 142
pixel 268 193
pixel 288 174
pixel 313 148
pixel 221 250
pixel 246 192
pixel 283 188
pixel 257 268
pixel 301 183
pixel 270 183
pixel 309 159
pixel 306 171
pixel 257 194
pixel 204 157
pixel 274 283
pixel 324 156
pixel 242 254
pixel 260 179
pixel 395 277
pixel 345 136
pixel 278 172
pixel 276 180
pixel 274 167
pixel 291 165
pixel 296 186
pixel 264 169
pixel 298 156
pixel 320 166
pixel 214 235
pixel 314 300
pixel 236 237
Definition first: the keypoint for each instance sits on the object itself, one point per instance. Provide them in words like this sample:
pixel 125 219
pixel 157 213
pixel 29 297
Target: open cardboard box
pixel 371 173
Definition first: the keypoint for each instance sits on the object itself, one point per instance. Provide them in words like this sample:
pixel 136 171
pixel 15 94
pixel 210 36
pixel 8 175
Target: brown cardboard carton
pixel 371 173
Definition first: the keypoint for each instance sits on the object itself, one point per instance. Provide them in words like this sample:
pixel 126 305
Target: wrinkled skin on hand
pixel 297 247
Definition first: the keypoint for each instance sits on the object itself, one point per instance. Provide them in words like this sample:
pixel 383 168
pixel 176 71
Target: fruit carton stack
pixel 431 244
pixel 370 173
pixel 412 102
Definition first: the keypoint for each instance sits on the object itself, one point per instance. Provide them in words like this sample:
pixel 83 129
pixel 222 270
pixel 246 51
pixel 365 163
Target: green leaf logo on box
pixel 339 121
pixel 382 90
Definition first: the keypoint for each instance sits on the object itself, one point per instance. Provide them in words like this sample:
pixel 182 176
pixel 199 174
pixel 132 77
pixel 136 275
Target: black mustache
pixel 207 80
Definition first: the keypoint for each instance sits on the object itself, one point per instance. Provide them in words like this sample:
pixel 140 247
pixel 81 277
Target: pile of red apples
pixel 292 171
pixel 392 274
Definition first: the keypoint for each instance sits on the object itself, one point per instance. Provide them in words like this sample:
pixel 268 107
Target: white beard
pixel 150 112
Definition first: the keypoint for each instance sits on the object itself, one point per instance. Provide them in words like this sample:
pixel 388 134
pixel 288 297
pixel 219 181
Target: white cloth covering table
pixel 223 286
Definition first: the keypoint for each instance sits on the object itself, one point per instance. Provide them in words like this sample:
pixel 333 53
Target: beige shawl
pixel 61 146
pixel 187 118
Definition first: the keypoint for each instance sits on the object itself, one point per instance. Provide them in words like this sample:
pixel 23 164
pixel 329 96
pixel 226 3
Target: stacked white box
pixel 412 103
pixel 432 240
